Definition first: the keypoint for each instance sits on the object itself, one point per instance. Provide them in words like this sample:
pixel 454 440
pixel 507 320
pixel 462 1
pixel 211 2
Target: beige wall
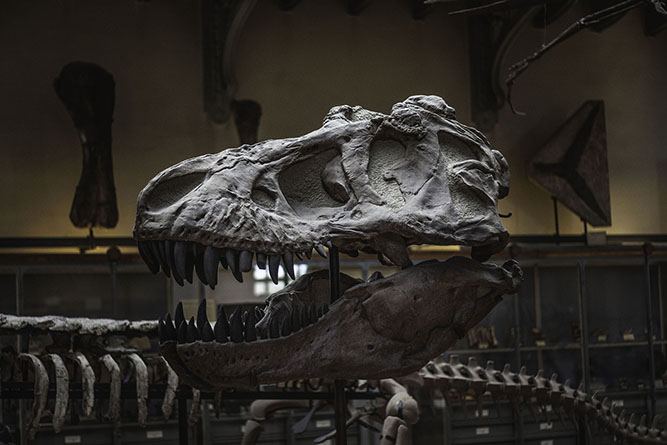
pixel 297 65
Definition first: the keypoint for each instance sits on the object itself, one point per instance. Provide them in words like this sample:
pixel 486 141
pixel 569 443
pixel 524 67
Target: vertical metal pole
pixel 583 322
pixel 585 231
pixel 340 404
pixel 553 198
pixel 114 288
pixel 648 248
pixel 182 420
pixel 22 345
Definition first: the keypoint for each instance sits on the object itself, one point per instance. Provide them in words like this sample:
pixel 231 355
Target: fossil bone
pixel 87 382
pixel 363 181
pixel 170 391
pixel 40 392
pixel 141 380
pixel 87 91
pixel 375 330
pixel 62 391
pixel 112 368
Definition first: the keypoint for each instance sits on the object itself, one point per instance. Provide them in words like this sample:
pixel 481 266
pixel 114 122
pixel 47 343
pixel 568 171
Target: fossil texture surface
pixel 363 181
pixel 378 329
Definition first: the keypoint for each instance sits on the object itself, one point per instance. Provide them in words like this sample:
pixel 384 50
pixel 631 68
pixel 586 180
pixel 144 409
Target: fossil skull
pixel 378 329
pixel 363 181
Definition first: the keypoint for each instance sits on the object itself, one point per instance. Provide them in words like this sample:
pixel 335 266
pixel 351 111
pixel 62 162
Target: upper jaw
pixel 376 330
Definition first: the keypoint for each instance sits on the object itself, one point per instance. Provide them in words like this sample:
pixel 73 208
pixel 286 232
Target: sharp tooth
pixel 288 261
pixel 245 261
pixel 250 333
pixel 198 251
pixel 221 330
pixel 298 255
pixel 232 257
pixel 183 257
pixel 236 325
pixel 154 247
pixel 261 261
pixel 169 247
pixel 274 328
pixel 320 250
pixel 308 253
pixel 182 334
pixel 207 333
pixel 179 316
pixel 202 319
pixel 169 330
pixel 192 332
pixel 164 255
pixel 285 328
pixel 211 260
pixel 147 255
pixel 274 263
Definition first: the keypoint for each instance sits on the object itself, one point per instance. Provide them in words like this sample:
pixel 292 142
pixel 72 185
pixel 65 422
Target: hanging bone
pixel 87 90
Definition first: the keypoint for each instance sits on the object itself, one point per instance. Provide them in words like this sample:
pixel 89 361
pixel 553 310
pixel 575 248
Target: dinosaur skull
pixel 378 329
pixel 363 181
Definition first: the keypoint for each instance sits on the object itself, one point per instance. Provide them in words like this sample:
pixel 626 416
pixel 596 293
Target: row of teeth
pixel 238 328
pixel 180 258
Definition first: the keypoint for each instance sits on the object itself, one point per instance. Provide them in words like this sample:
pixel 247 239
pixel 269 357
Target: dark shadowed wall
pixel 298 65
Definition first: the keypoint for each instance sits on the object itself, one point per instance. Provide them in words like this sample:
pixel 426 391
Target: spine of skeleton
pixel 461 379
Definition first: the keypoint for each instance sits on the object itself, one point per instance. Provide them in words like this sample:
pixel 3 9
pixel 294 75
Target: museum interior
pixel 366 222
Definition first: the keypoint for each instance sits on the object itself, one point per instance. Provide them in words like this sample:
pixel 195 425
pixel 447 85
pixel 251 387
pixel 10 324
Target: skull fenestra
pixel 364 181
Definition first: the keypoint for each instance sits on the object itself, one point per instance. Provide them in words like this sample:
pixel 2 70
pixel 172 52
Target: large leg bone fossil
pixel 41 392
pixel 87 91
pixel 62 391
pixel 87 382
pixel 112 368
pixel 141 379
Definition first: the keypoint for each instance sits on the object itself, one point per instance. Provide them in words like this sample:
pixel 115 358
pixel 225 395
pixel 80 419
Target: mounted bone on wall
pixel 572 165
pixel 87 90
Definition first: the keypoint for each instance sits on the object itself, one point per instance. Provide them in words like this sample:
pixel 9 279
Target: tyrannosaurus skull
pixel 363 181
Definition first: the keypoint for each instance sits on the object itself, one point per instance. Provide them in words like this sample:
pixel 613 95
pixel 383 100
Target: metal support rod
pixel 334 274
pixel 585 364
pixel 340 402
pixel 649 329
pixel 585 231
pixel 182 421
pixel 553 198
pixel 583 321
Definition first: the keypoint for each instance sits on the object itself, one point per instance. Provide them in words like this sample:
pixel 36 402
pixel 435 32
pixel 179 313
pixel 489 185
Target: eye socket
pixel 263 197
pixel 314 183
pixel 172 190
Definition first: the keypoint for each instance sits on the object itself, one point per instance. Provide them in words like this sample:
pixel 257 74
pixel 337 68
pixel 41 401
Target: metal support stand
pixel 182 421
pixel 557 236
pixel 648 248
pixel 340 402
